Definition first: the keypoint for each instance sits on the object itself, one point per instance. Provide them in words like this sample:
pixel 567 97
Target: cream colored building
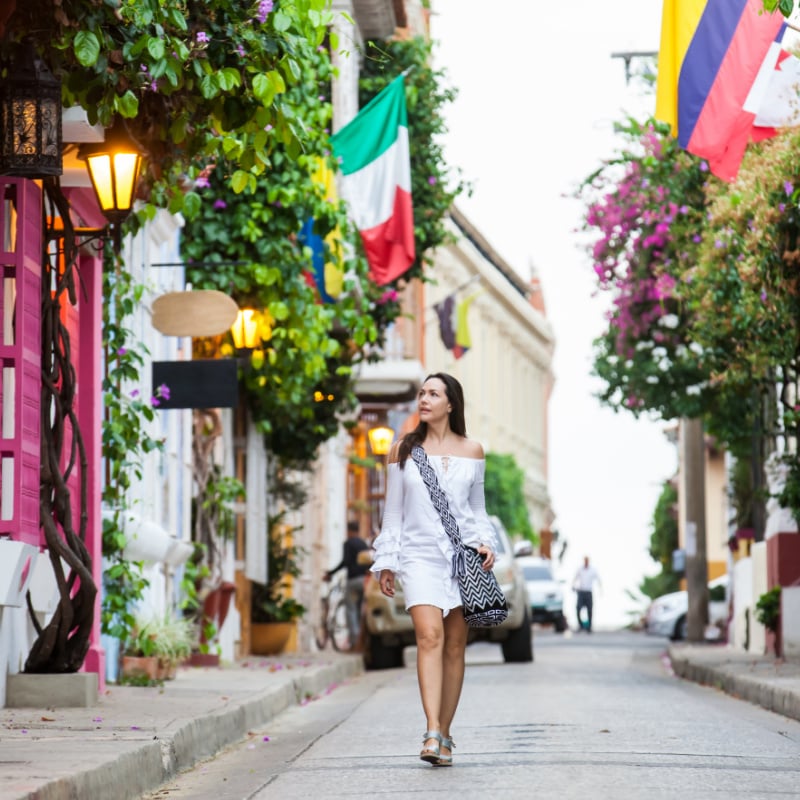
pixel 506 373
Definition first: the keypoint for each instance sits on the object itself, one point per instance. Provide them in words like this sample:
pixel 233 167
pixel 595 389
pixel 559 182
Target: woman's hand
pixel 488 556
pixel 387 582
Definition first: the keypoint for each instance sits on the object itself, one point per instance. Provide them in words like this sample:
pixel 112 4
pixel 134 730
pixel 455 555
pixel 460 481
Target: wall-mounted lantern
pixel 30 118
pixel 114 166
pixel 380 440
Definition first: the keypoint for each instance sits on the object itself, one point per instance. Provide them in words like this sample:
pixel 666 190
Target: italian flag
pixel 373 154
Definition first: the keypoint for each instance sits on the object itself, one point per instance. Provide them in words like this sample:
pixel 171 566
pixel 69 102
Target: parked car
pixel 545 592
pixel 666 615
pixel 389 628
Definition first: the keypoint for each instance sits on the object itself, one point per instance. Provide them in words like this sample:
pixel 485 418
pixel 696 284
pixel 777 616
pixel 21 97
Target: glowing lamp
pixel 245 330
pixel 113 167
pixel 380 440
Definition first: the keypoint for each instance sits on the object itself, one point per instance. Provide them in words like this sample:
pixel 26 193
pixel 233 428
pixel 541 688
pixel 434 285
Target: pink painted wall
pixel 20 256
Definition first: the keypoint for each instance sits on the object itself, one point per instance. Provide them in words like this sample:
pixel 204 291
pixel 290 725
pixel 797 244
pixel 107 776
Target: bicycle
pixel 332 624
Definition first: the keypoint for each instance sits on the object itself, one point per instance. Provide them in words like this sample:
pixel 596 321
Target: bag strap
pixel 439 500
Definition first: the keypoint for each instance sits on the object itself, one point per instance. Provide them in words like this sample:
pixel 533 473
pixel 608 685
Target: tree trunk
pixel 695 530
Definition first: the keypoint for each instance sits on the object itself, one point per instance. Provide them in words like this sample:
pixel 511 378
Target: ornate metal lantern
pixel 30 118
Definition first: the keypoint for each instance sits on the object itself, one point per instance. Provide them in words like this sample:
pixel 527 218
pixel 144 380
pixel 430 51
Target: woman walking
pixel 414 547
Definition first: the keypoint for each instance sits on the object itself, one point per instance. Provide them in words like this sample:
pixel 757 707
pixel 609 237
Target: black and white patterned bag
pixel 484 602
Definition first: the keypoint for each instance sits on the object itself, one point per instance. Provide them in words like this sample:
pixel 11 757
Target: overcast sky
pixel 538 93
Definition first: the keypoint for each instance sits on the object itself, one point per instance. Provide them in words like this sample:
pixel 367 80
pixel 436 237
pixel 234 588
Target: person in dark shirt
pixel 356 572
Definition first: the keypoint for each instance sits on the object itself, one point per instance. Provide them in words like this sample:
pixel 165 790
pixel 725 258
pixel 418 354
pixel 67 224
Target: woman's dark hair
pixel 455 394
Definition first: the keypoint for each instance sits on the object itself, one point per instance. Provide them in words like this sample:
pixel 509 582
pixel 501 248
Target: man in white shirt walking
pixel 585 578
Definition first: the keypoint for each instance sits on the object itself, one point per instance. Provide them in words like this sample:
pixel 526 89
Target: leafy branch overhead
pixel 196 80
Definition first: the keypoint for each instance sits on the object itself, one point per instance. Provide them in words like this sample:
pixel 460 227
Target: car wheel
pixel 560 623
pixel 518 646
pixel 679 634
pixel 378 655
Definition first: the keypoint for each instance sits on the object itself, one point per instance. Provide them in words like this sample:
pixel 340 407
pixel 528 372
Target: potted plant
pixel 768 613
pixel 273 611
pixel 139 657
pixel 174 638
pixel 156 646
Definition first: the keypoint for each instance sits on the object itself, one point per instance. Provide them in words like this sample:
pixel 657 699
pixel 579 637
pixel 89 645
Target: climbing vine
pixel 62 644
pixel 125 442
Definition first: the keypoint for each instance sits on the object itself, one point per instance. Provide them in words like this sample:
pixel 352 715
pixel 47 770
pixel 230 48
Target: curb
pixel 147 767
pixel 730 680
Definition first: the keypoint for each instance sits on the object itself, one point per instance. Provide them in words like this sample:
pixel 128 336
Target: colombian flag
pixel 325 276
pixel 711 53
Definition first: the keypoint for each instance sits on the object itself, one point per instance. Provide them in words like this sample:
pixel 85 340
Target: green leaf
pixel 229 78
pixel 155 47
pixel 281 21
pixel 127 104
pixel 239 181
pixel 263 89
pixel 87 48
pixel 192 204
pixel 209 86
pixel 294 69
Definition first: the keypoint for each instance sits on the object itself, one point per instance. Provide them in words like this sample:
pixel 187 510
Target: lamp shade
pixel 30 118
pixel 380 439
pixel 113 167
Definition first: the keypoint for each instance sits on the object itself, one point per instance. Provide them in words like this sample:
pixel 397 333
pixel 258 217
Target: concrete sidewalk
pixel 766 681
pixel 136 738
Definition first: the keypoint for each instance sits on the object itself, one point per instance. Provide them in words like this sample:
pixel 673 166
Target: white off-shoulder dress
pixel 413 543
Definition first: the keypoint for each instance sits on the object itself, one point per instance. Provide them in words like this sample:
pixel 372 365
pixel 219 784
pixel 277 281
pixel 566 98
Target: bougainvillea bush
pixel 642 209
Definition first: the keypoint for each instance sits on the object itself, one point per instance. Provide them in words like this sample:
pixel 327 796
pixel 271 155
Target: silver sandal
pixel 431 754
pixel 446 761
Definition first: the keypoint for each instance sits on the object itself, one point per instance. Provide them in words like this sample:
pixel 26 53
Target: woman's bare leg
pixel 455 645
pixel 429 631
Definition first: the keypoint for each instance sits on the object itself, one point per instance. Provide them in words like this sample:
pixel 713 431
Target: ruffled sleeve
pixel 387 544
pixel 484 530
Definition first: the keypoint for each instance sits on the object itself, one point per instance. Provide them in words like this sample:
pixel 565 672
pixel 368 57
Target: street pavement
pixel 137 738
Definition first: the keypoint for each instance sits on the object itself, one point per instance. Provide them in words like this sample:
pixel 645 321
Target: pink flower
pixel 264 8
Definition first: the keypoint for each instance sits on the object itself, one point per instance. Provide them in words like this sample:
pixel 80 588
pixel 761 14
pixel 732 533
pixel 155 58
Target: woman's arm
pixel 387 544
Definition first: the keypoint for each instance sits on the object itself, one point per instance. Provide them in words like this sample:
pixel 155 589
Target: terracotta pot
pixel 269 638
pixel 216 606
pixel 141 665
pixel 167 669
